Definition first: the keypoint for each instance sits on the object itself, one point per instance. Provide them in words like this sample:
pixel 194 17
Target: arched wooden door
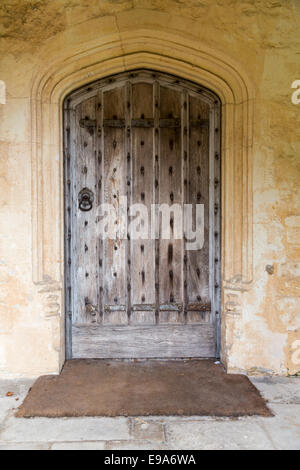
pixel 153 139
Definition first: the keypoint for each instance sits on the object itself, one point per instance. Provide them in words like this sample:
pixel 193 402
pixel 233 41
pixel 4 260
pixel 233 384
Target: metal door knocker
pixel 86 199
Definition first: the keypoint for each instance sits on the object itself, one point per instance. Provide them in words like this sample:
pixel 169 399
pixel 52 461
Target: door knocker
pixel 86 199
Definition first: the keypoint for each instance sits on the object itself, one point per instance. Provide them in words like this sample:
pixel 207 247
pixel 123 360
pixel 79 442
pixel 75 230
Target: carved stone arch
pixel 143 49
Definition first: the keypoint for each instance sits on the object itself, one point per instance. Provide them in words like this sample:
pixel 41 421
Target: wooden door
pixel 150 139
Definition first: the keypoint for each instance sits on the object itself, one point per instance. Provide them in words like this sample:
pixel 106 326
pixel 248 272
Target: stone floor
pixel 160 433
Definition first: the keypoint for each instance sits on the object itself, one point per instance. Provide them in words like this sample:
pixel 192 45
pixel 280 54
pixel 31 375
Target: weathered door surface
pixel 153 139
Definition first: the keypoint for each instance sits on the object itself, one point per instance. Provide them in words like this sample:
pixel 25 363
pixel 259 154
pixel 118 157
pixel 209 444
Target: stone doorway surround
pixel 107 55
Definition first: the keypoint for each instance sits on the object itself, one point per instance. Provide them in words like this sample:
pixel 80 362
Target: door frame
pixel 57 76
pixel 88 91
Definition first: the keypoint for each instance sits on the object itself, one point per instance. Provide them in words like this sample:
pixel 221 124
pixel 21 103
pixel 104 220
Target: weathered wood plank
pixel 156 188
pixel 84 243
pixel 142 268
pixel 144 341
pixel 170 269
pixel 142 100
pixel 185 190
pixel 115 317
pixel 128 159
pixel 143 317
pixel 170 317
pixel 194 317
pixel 100 199
pixel 199 123
pixel 198 274
pixel 115 187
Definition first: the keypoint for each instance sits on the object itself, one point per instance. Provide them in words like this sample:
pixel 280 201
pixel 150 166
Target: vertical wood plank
pixel 101 199
pixel 170 270
pixel 185 192
pixel 128 157
pixel 84 243
pixel 115 171
pixel 198 274
pixel 143 251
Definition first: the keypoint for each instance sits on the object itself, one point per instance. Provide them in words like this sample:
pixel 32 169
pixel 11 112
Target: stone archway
pixel 142 50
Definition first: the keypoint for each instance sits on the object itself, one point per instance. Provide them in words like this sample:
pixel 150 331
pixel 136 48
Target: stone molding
pixel 165 52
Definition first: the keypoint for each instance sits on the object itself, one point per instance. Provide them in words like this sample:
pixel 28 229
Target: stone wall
pixel 261 310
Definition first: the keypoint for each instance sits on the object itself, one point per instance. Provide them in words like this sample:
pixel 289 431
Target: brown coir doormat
pixel 143 388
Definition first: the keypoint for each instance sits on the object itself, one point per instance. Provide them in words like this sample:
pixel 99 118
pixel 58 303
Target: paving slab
pixel 17 386
pixel 148 430
pixel 64 429
pixel 78 446
pixel 279 389
pixel 137 445
pixel 6 405
pixel 284 428
pixel 24 446
pixel 18 389
pixel 218 435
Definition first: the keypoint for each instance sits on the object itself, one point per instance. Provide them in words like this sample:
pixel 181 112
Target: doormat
pixel 143 388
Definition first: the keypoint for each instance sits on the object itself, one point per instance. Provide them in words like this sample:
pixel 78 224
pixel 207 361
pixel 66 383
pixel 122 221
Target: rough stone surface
pixel 148 430
pixel 284 429
pixel 262 39
pixel 18 390
pixel 136 445
pixel 78 446
pixel 218 435
pixel 24 446
pixel 279 389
